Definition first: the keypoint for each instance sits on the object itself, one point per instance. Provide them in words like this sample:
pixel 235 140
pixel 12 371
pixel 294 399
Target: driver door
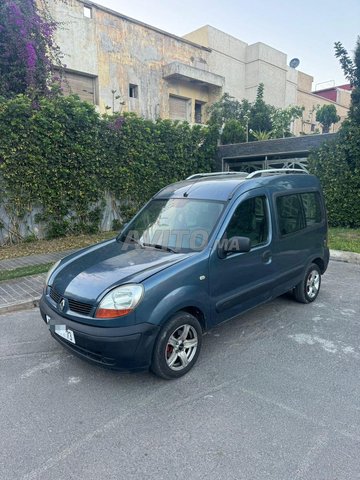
pixel 242 280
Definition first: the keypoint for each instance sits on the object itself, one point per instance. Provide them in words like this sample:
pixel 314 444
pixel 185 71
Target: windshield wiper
pixel 160 247
pixel 128 239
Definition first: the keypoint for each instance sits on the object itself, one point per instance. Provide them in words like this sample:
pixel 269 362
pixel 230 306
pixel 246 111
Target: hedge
pixel 337 164
pixel 62 158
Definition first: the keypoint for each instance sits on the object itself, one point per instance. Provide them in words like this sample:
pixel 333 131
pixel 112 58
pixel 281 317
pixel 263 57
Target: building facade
pixel 121 64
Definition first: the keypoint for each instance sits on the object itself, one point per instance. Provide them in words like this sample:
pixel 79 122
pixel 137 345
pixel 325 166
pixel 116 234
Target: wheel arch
pixel 320 263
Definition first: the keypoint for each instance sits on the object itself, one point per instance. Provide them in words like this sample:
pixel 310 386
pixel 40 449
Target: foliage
pixel 61 157
pixel 260 113
pixel 327 115
pixel 228 108
pixel 260 135
pixel 351 69
pixel 27 48
pixel 245 121
pixel 282 119
pixel 337 164
pixel 233 132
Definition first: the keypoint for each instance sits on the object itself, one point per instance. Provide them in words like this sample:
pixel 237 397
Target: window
pixel 133 91
pixel 250 220
pixel 87 11
pixel 290 214
pixel 179 108
pixel 198 112
pixel 312 207
pixel 79 84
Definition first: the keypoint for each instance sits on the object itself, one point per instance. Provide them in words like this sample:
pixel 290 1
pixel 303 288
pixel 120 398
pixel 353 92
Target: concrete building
pixel 122 64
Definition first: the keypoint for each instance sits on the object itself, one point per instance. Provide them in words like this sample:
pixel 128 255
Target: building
pixel 340 94
pixel 121 64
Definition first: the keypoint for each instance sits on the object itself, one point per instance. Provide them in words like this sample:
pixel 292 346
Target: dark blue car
pixel 200 251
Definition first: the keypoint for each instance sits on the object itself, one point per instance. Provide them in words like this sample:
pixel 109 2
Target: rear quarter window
pixel 290 215
pixel 312 207
pixel 298 211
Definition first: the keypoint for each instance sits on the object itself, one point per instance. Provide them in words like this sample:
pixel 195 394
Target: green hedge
pixel 337 164
pixel 63 157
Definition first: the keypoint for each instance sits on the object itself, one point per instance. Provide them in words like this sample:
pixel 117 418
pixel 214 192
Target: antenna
pixel 294 63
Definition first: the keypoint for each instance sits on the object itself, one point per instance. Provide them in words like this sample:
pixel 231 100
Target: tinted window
pixel 312 207
pixel 250 220
pixel 290 214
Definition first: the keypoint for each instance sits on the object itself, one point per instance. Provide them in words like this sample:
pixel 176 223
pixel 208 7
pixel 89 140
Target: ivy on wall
pixel 61 157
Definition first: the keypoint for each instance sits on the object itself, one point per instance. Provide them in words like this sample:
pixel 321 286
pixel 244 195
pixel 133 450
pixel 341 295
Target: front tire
pixel 177 347
pixel 308 289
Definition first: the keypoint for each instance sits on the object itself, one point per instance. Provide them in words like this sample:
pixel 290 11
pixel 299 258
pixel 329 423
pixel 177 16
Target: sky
pixel 303 29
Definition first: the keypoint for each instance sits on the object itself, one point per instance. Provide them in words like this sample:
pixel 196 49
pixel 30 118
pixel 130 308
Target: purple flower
pixel 31 56
pixel 117 124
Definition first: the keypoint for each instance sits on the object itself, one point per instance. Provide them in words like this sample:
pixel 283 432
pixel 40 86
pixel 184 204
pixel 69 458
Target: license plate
pixel 63 332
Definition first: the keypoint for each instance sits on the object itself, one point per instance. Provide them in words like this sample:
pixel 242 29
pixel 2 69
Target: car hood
pixel 88 273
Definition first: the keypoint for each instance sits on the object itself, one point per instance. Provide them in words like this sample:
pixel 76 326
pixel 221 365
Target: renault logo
pixel 62 304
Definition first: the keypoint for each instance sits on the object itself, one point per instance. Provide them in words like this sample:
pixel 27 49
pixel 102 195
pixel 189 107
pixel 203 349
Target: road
pixel 275 395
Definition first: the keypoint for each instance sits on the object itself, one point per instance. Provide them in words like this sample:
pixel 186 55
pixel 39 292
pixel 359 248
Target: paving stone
pixel 31 260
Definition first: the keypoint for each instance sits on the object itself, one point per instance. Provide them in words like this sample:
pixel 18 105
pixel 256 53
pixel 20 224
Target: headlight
pixel 51 271
pixel 120 301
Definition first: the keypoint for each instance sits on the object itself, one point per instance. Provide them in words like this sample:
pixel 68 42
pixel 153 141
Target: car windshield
pixel 177 224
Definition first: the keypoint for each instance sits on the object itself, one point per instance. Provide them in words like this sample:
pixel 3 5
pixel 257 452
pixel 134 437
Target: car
pixel 200 252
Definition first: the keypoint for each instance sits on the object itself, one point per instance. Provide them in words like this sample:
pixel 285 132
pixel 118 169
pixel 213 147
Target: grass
pixel 24 271
pixel 345 239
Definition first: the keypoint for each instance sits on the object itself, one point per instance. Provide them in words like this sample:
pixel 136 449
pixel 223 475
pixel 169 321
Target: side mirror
pixel 234 245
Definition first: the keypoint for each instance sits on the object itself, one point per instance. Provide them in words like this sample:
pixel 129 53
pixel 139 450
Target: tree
pixel 27 49
pixel 351 69
pixel 227 108
pixel 337 163
pixel 260 113
pixel 233 132
pixel 282 119
pixel 327 115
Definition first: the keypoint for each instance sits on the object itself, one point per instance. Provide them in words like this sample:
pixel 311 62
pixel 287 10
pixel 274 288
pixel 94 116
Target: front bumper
pixel 120 348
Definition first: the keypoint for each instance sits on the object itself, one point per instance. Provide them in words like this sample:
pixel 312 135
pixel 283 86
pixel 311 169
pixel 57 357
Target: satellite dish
pixel 295 62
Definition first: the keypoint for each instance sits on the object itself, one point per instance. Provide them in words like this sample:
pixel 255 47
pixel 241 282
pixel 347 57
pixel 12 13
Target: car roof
pixel 224 187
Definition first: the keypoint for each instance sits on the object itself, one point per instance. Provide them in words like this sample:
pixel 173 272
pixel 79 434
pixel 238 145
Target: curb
pixel 347 257
pixel 17 307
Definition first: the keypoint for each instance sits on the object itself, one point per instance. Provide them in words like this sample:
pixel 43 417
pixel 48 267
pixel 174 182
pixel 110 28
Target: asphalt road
pixel 275 395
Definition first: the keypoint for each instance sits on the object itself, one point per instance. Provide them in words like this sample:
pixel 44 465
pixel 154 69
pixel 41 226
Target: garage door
pixel 178 108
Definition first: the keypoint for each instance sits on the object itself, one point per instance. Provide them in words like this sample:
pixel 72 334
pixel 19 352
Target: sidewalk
pixel 24 293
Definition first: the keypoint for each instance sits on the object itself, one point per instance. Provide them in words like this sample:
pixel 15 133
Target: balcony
pixel 180 71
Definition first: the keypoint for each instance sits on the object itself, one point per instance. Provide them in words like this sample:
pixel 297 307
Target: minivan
pixel 200 252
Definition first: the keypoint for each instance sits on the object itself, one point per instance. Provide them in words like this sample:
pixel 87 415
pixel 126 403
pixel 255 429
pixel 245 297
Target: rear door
pixel 298 237
pixel 242 280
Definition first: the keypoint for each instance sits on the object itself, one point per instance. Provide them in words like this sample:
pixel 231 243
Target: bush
pixel 61 156
pixel 337 164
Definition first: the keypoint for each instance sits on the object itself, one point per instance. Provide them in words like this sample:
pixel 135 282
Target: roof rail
pixel 276 171
pixel 214 174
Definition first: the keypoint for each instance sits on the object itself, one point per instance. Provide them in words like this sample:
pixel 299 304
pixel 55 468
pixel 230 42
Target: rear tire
pixel 177 346
pixel 308 289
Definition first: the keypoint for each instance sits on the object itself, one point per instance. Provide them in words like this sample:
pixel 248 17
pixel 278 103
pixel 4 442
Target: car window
pixel 290 214
pixel 312 207
pixel 250 220
pixel 181 224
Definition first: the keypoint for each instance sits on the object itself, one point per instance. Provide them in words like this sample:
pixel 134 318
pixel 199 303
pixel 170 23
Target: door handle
pixel 266 256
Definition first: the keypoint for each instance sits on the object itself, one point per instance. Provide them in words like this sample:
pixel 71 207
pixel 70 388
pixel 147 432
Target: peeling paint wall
pixel 121 51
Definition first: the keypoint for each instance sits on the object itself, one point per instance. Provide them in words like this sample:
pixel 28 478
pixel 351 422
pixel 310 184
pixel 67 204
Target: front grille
pixel 74 306
pixel 80 307
pixel 55 295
